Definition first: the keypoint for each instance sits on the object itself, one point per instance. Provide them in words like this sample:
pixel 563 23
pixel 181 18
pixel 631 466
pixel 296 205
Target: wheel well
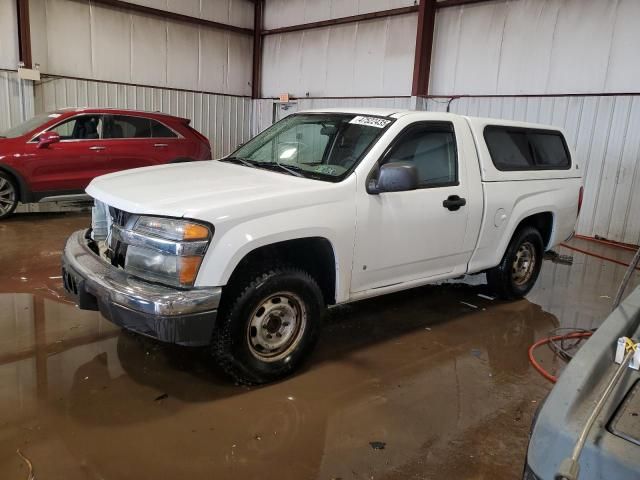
pixel 543 222
pixel 20 186
pixel 313 254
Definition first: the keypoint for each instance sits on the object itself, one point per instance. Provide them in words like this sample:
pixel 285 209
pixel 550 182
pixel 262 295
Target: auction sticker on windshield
pixel 370 121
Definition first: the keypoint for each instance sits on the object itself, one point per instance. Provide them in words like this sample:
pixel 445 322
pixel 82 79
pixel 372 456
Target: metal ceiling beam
pixel 24 33
pixel 132 7
pixel 424 47
pixel 342 20
pixel 256 75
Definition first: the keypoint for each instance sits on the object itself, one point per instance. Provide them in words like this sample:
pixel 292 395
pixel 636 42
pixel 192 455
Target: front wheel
pixel 518 271
pixel 270 326
pixel 8 196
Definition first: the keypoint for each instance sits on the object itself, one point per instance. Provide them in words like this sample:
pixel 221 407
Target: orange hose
pixel 544 341
pixel 611 243
pixel 602 257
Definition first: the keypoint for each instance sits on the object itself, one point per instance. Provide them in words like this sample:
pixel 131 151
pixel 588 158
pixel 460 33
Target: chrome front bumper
pixel 184 317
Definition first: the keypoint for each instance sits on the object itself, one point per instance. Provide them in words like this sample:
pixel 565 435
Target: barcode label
pixel 370 121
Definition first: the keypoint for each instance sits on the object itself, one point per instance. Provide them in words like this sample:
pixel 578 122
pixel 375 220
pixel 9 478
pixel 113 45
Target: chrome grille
pixel 117 250
pixel 119 217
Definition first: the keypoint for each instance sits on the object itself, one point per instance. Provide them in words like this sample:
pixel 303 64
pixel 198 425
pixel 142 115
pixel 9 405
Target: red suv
pixel 57 154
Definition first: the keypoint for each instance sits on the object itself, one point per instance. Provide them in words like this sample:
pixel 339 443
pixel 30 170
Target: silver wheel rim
pixel 524 264
pixel 7 196
pixel 276 326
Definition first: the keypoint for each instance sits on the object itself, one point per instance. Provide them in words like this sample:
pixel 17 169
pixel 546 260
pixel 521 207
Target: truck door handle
pixel 97 147
pixel 454 202
pixel 160 145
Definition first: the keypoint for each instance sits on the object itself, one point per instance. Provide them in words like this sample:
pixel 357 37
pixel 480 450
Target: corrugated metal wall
pixel 15 105
pixel 604 132
pixel 224 119
pixel 282 13
pixel 8 35
pixel 537 47
pixel 82 39
pixel 232 12
pixel 265 111
pixel 368 58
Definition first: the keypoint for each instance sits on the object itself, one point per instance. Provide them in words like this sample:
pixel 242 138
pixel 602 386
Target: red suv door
pixel 135 141
pixel 70 164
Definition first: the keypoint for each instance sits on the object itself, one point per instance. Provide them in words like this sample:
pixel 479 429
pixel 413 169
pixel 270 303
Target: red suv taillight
pixel 580 195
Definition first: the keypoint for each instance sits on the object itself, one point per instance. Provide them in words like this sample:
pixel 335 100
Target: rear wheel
pixel 269 326
pixel 8 195
pixel 518 271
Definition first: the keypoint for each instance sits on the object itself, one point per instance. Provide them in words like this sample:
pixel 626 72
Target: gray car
pixel 612 448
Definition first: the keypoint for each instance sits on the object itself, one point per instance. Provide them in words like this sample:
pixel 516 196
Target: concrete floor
pixel 439 374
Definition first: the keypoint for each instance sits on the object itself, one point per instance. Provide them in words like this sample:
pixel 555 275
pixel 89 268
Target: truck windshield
pixel 324 146
pixel 28 126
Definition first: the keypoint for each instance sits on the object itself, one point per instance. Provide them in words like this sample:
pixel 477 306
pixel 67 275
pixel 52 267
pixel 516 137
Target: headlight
pixel 172 229
pixel 166 250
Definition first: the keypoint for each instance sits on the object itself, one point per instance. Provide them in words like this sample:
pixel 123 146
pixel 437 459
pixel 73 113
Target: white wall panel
pixel 182 55
pixel 148 51
pixel 604 132
pixel 537 47
pixel 8 34
pixel 68 38
pixel 239 63
pixel 233 12
pixel 78 39
pixel 111 44
pixel 263 110
pixel 361 59
pixel 214 68
pixel 282 13
pixel 11 113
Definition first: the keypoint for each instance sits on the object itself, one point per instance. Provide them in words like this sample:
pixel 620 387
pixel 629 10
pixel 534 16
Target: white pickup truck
pixel 324 207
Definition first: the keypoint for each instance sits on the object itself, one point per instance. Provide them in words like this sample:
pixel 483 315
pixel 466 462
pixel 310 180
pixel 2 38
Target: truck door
pixel 423 233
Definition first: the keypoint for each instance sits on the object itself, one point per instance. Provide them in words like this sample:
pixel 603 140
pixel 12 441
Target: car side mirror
pixel 394 177
pixel 47 138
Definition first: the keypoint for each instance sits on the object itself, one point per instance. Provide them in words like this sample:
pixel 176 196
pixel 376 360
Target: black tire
pixel 284 302
pixel 515 276
pixel 8 195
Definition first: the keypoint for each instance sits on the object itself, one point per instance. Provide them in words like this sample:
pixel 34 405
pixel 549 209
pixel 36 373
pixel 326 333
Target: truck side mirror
pixel 47 138
pixel 394 177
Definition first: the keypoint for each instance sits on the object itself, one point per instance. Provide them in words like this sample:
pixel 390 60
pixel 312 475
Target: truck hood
pixel 189 189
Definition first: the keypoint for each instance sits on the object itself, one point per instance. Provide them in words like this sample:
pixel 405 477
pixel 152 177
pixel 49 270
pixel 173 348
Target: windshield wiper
pixel 240 160
pixel 291 169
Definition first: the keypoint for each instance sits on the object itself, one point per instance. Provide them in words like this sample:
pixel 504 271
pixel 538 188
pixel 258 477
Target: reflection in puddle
pixel 439 374
pixel 407 369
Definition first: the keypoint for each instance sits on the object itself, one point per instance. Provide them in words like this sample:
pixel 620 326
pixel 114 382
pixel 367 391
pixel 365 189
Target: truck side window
pixel 513 148
pixel 549 149
pixel 431 147
pixel 509 149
